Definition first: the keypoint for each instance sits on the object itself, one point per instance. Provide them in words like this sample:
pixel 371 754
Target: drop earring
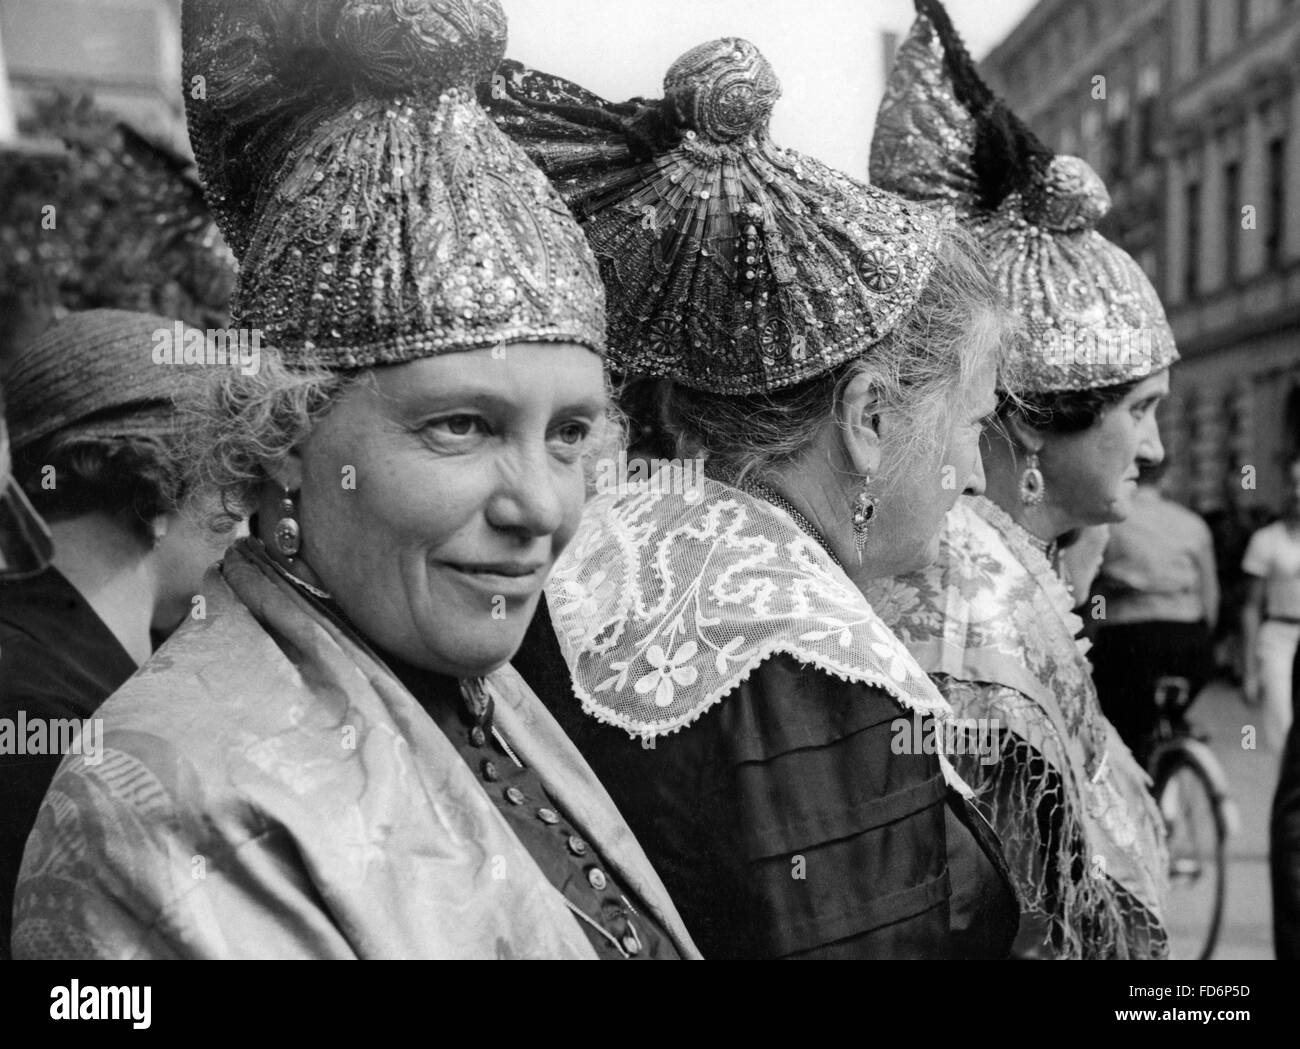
pixel 288 534
pixel 864 515
pixel 1031 482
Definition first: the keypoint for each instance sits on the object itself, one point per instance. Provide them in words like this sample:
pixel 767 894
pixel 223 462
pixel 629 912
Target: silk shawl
pixel 993 621
pixel 269 789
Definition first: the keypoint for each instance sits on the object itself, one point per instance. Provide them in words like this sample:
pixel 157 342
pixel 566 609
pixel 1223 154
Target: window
pixel 1231 221
pixel 1117 134
pixel 1276 215
pixel 1192 256
pixel 1146 129
pixel 1202 32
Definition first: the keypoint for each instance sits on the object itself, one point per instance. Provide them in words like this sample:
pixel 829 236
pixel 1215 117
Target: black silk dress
pixel 784 826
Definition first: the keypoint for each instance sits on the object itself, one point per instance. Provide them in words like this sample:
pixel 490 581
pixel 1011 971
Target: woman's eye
pixel 458 425
pixel 572 433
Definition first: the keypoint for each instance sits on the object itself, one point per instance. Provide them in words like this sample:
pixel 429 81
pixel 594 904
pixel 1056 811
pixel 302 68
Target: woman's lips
pixel 503 578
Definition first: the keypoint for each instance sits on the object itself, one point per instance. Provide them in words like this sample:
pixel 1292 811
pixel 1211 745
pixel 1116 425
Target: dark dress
pixel 57 660
pixel 617 928
pixel 784 826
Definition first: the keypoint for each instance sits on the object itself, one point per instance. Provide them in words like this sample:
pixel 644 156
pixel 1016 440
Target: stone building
pixel 1190 110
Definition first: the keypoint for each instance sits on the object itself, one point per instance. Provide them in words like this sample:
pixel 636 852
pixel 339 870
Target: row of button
pixel 595 876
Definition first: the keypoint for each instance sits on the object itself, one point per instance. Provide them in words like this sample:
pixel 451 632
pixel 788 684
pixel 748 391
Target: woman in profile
pixel 992 619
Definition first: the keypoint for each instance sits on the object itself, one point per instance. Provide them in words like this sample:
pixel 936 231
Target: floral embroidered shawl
pixel 993 621
pixel 269 789
pixel 664 603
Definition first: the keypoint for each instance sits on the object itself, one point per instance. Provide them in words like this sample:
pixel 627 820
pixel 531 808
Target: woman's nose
pixel 528 497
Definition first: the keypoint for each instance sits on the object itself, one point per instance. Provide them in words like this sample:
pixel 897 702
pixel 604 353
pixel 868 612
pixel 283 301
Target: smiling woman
pixel 337 753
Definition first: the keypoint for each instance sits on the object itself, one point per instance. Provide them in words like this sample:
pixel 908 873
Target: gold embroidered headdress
pixel 941 135
pixel 378 214
pixel 731 265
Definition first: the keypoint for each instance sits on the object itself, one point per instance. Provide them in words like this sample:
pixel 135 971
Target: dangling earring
pixel 288 535
pixel 864 513
pixel 1031 482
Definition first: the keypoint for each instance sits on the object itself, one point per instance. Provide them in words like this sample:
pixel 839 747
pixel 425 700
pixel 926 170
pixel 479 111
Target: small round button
pixel 477 736
pixel 577 846
pixel 548 816
pixel 514 795
pixel 596 879
pixel 490 772
pixel 631 944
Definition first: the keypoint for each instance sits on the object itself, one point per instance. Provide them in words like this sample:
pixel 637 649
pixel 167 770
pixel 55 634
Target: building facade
pixel 126 53
pixel 1190 110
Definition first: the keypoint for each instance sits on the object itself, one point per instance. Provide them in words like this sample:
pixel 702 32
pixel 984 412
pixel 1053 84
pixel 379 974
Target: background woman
pixel 96 446
pixel 337 761
pixel 829 351
pixel 992 619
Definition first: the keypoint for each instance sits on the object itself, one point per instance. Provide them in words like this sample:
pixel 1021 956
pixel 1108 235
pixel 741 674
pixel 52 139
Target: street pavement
pixel 1252 777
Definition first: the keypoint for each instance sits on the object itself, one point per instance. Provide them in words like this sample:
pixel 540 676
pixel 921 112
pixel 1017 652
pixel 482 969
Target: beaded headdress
pixel 731 265
pixel 1093 317
pixel 378 214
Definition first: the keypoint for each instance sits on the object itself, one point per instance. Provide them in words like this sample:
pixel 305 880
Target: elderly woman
pixel 992 618
pixel 95 441
pixel 337 761
pixel 829 351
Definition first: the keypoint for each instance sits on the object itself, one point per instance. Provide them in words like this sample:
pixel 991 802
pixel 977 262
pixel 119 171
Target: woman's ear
pixel 1025 436
pixel 861 409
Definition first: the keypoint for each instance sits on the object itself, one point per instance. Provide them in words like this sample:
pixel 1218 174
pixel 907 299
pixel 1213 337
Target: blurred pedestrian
pixel 1161 593
pixel 94 439
pixel 1271 617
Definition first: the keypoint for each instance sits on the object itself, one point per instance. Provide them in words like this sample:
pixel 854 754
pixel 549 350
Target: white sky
pixel 828 53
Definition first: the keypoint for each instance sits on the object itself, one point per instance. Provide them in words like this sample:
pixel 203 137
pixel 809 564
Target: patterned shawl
pixel 268 789
pixel 994 620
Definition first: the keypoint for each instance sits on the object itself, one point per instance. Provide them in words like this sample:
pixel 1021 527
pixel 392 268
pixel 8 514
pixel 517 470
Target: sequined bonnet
pixel 731 265
pixel 1093 317
pixel 377 213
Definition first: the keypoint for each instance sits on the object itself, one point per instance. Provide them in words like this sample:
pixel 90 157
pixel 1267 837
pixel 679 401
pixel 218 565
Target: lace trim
pixel 663 607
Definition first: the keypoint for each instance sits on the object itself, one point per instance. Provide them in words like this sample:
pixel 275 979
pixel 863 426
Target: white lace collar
pixel 665 603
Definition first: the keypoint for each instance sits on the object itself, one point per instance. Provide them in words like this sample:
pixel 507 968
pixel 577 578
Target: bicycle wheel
pixel 1198 862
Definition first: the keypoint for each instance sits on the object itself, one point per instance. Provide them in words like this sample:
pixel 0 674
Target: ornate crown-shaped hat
pixel 941 135
pixel 730 264
pixel 378 214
